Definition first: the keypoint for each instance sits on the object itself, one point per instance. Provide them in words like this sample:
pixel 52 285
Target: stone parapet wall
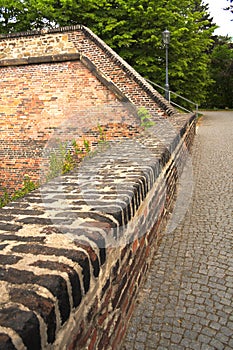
pixel 75 252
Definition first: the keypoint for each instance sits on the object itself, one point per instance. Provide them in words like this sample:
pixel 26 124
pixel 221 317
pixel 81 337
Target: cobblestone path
pixel 187 300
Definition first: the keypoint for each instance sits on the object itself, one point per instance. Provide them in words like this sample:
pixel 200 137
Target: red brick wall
pixel 127 80
pixel 46 100
pixel 43 94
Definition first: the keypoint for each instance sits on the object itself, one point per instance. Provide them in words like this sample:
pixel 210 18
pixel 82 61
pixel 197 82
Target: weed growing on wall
pixel 5 198
pixel 28 186
pixel 87 146
pixel 102 134
pixel 59 160
pixel 77 149
pixel 64 156
pixel 63 159
pixel 145 118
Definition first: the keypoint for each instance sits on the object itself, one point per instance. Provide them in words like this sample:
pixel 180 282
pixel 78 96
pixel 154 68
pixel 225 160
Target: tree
pixel 133 28
pixel 221 70
pixel 138 39
pixel 11 14
pixel 23 15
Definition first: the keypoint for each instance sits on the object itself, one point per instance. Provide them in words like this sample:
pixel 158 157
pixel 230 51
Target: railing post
pixel 168 97
pixel 167 91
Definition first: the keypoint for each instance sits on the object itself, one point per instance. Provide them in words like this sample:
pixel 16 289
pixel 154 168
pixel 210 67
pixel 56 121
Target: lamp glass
pixel 166 37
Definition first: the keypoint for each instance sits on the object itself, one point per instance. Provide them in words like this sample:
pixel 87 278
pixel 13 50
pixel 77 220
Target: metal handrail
pixel 177 95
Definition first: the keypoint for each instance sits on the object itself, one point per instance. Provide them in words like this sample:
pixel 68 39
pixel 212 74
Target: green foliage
pixel 57 160
pixel 87 146
pixel 221 70
pixel 145 118
pixel 134 29
pixel 138 39
pixel 102 134
pixel 78 151
pixel 68 163
pixel 63 160
pixel 27 187
pixel 5 198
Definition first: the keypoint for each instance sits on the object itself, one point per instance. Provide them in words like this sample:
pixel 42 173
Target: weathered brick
pixel 105 287
pixel 9 259
pixel 6 342
pixel 92 343
pixel 25 323
pixel 39 304
pixel 72 343
pixel 104 341
pixel 92 255
pixel 55 284
pixel 92 311
pixel 10 237
pixel 72 274
pixel 119 290
pixel 9 227
pixel 75 255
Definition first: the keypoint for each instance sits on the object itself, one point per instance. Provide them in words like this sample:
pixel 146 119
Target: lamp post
pixel 166 40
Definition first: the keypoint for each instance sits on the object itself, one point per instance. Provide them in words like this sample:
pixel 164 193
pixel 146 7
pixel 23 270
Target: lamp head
pixel 166 37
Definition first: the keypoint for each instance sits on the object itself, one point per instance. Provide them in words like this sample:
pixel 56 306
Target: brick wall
pixel 61 77
pixel 49 100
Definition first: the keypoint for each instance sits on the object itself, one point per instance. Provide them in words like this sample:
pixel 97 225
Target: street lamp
pixel 166 40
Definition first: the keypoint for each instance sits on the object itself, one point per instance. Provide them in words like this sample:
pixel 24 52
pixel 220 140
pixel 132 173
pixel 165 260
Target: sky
pixel 221 17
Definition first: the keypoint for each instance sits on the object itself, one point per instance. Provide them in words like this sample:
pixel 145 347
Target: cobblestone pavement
pixel 187 300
